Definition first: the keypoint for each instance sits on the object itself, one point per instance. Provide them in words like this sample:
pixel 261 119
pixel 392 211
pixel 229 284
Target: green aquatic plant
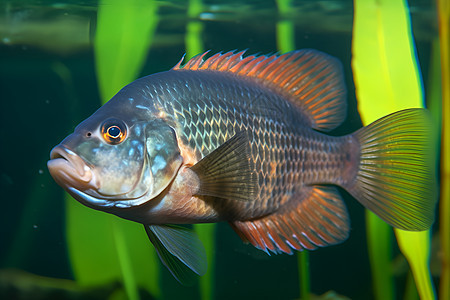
pixel 194 29
pixel 443 8
pixel 125 30
pixel 102 247
pixel 387 79
pixel 285 29
pixel 120 48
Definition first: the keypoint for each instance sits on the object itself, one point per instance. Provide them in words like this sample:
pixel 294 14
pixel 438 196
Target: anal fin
pixel 316 218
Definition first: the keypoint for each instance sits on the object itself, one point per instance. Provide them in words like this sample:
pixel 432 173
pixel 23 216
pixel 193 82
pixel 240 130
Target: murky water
pixel 48 85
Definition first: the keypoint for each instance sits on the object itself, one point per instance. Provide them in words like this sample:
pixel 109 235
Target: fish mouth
pixel 72 173
pixel 70 170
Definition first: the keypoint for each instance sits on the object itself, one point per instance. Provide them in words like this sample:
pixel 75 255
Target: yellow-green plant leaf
pixel 285 28
pixel 194 29
pixel 443 10
pixel 379 247
pixel 125 30
pixel 387 79
pixel 206 234
pixel 94 241
pixel 102 247
pixel 420 258
pixel 383 62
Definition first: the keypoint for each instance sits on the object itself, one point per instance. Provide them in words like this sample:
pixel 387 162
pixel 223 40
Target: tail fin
pixel 396 176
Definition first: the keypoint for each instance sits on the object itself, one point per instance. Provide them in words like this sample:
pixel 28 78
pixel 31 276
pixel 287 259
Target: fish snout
pixel 69 169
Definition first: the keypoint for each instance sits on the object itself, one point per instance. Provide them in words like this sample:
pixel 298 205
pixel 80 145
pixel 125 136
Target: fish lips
pixel 70 170
pixel 72 173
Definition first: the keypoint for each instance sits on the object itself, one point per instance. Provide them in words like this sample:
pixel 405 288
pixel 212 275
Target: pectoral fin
pixel 180 251
pixel 227 172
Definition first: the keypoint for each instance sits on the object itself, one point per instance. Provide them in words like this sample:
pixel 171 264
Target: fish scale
pixel 275 141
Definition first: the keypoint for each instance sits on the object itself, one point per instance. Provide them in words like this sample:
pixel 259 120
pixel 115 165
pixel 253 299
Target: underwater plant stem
pixel 124 261
pixel 205 233
pixel 285 28
pixel 194 29
pixel 380 254
pixel 410 288
pixel 125 31
pixel 303 267
pixel 443 8
pixel 418 258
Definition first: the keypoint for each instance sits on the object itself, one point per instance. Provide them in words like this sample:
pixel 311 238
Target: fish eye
pixel 114 131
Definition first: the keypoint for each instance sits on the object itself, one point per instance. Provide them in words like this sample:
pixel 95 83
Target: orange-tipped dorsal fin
pixel 310 79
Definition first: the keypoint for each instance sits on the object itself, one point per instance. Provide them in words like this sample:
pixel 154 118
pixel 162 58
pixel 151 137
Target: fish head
pixel 117 162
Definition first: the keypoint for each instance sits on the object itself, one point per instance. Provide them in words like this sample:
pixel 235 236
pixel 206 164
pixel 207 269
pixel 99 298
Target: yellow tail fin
pixel 396 177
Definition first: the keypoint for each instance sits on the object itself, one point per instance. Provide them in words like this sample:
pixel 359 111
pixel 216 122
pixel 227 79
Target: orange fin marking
pixel 310 79
pixel 317 218
pixel 305 90
pixel 195 60
pixel 240 65
pixel 317 87
pixel 303 72
pixel 285 74
pixel 221 60
pixel 285 70
pixel 253 66
pixel 213 59
pixel 264 67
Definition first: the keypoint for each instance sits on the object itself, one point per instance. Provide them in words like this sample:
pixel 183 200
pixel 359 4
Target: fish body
pixel 244 140
pixel 283 147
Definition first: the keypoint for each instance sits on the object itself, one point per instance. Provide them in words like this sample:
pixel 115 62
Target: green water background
pixel 46 91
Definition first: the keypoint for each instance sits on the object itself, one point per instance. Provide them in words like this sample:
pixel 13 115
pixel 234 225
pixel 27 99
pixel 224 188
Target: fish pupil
pixel 114 131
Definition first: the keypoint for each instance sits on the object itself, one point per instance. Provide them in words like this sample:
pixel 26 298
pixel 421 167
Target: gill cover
pixel 149 171
pixel 163 154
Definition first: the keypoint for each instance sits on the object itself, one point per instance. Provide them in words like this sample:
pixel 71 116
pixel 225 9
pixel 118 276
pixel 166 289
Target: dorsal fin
pixel 310 79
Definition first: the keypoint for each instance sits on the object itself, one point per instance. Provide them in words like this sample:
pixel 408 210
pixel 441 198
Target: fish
pixel 245 139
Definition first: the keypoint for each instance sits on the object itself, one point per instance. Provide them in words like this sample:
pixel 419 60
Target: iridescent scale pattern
pixel 209 107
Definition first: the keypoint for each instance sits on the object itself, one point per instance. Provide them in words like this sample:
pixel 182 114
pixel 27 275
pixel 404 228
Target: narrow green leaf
pixel 194 29
pixel 384 64
pixel 125 30
pixel 91 246
pixel 443 11
pixel 103 247
pixel 303 271
pixel 206 234
pixel 387 79
pixel 380 254
pixel 285 29
pixel 418 258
